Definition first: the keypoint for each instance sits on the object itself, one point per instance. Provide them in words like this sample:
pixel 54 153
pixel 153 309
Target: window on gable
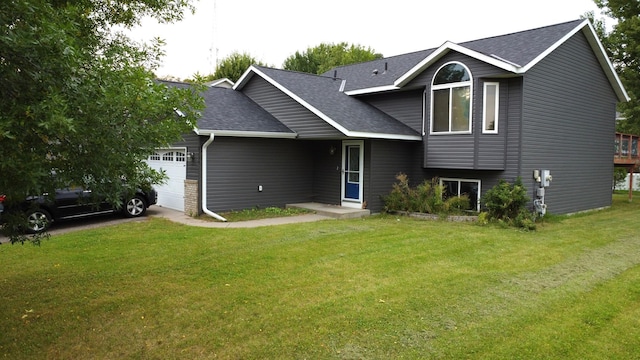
pixel 460 187
pixel 490 106
pixel 451 100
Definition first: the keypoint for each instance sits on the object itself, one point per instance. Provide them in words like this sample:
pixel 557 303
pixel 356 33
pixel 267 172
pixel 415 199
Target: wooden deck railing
pixel 627 148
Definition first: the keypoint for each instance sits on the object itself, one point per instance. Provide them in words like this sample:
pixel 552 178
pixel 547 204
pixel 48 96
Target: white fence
pixel 625 184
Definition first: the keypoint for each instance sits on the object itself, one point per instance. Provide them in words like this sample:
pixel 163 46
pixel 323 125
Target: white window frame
pixel 451 86
pixel 496 108
pixel 459 180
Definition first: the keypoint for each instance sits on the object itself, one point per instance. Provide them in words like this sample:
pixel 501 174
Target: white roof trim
pixel 552 48
pixel 605 62
pixel 217 82
pixel 244 78
pixel 273 135
pixel 441 51
pixel 252 134
pixel 305 104
pixel 492 59
pixel 320 114
pixel 599 52
pixel 372 90
pixel 368 135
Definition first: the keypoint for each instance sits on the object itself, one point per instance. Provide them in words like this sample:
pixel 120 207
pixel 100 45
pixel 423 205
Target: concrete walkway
pixel 182 218
pixel 321 212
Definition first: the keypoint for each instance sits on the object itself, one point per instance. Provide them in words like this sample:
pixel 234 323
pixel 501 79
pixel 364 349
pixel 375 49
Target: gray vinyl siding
pixel 383 161
pixel 513 129
pixel 326 171
pixel 237 166
pixel 193 144
pixel 467 151
pixel 404 106
pixel 490 151
pixel 568 123
pixel 295 116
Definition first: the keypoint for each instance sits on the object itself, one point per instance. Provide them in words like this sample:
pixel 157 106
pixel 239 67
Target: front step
pixel 334 211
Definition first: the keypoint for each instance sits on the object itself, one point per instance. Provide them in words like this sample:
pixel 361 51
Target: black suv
pixel 73 202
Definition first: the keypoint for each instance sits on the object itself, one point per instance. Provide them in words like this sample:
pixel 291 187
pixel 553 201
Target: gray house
pixel 470 113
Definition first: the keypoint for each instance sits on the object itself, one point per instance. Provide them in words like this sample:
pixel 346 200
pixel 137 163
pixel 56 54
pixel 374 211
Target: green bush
pixel 458 204
pixel 525 220
pixel 506 203
pixel 427 197
pixel 400 196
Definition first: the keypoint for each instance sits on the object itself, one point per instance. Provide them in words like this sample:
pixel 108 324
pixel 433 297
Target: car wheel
pixel 135 207
pixel 38 221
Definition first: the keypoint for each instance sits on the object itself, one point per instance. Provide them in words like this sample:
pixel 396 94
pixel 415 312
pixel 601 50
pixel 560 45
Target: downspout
pixel 203 166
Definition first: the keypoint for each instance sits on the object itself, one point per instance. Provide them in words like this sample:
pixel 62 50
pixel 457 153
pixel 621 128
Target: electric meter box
pixel 545 178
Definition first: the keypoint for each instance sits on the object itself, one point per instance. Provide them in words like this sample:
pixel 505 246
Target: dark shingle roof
pixel 518 49
pixel 380 72
pixel 323 93
pixel 522 47
pixel 231 110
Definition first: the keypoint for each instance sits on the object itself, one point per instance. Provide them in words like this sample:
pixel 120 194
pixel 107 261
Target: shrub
pixel 506 203
pixel 526 220
pixel 458 204
pixel 428 197
pixel 483 218
pixel 400 196
pixel 424 198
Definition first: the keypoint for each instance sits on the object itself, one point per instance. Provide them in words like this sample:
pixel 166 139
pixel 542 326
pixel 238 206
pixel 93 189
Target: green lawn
pixel 377 288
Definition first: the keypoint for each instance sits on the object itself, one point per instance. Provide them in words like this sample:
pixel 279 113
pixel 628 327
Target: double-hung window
pixel 451 100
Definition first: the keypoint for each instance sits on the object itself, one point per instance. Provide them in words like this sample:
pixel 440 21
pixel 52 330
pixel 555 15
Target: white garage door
pixel 174 163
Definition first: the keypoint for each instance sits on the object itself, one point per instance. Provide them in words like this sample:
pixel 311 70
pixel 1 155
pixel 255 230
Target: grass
pixel 376 288
pixel 257 213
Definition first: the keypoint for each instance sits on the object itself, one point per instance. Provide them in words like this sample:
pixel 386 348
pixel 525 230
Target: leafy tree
pixel 232 67
pixel 623 46
pixel 619 176
pixel 79 103
pixel 324 57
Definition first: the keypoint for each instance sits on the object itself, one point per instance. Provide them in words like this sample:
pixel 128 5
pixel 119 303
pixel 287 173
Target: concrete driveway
pixel 89 222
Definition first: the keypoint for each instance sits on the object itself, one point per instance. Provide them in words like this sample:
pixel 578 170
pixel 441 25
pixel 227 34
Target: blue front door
pixel 352 180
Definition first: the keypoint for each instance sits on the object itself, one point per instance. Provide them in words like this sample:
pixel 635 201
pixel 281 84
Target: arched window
pixel 451 99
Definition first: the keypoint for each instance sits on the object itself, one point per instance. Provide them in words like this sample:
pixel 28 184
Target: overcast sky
pixel 273 30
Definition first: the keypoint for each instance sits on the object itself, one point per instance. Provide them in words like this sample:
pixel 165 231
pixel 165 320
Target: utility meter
pixel 545 178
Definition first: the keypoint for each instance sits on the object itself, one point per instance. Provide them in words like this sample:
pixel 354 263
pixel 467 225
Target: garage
pixel 174 163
